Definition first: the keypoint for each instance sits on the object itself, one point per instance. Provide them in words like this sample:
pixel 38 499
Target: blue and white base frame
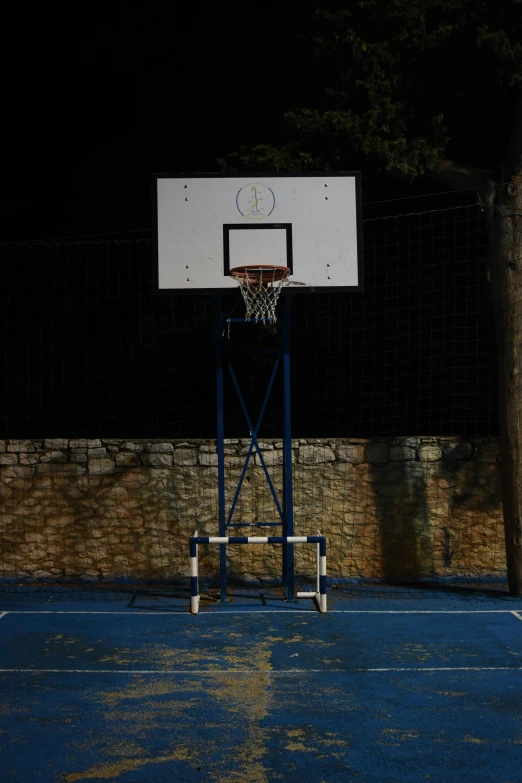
pixel 320 541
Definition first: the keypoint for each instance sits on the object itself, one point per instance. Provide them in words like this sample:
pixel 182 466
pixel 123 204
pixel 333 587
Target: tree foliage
pixel 386 84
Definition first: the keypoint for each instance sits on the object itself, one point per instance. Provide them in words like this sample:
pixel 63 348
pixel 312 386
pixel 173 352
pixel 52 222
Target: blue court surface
pixel 135 689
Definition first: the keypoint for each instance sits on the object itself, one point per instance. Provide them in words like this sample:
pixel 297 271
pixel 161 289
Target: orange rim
pixel 263 273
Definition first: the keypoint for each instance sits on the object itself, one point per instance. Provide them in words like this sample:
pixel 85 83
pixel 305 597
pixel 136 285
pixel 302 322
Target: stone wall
pixel 394 509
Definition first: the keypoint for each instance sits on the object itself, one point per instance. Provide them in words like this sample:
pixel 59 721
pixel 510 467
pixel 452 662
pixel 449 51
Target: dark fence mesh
pixel 89 349
pixel 89 352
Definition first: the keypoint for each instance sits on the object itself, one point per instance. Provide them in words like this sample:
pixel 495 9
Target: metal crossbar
pixel 320 541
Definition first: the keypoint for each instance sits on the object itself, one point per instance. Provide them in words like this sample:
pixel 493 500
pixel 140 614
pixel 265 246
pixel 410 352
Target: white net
pixel 260 287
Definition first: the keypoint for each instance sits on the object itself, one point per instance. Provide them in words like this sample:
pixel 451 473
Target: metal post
pixel 322 575
pixel 218 331
pixel 284 525
pixel 194 574
pixel 288 508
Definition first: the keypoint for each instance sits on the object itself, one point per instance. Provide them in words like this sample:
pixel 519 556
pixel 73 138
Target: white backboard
pixel 207 224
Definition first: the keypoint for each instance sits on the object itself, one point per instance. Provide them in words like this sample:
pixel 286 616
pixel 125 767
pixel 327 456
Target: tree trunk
pixel 506 289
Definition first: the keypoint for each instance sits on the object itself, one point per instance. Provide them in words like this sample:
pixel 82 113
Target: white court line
pixel 213 672
pixel 2 614
pixel 225 612
pixel 517 613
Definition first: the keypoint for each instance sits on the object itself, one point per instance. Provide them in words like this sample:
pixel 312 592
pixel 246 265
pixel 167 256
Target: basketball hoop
pixel 260 287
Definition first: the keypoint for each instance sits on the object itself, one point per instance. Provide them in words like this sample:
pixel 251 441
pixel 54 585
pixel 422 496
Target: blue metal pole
pixel 288 560
pixel 284 472
pixel 220 446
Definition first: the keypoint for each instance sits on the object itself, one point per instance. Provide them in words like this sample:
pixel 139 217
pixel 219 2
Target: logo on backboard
pixel 255 201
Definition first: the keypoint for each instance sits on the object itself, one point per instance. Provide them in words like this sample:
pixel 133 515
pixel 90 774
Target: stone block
pixel 137 448
pixel 315 455
pixel 29 459
pixel 160 448
pixel 78 455
pixel 8 459
pixel 20 446
pixel 5 491
pixel 100 466
pixel 206 459
pixel 51 444
pixel 60 521
pixel 19 471
pixel 489 452
pixel 127 459
pixel 393 476
pixel 402 453
pixel 263 445
pixel 84 443
pixel 458 451
pixel 446 482
pixel 410 442
pixel 377 453
pixel 234 461
pixel 53 456
pixel 271 458
pixel 3 446
pixel 34 537
pixel 388 490
pixel 429 453
pixel 353 453
pixel 58 468
pixel 185 457
pixel 97 453
pixel 157 460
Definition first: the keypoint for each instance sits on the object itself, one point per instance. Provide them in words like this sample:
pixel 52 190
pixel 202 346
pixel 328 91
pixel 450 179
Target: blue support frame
pixel 288 505
pixel 220 448
pixel 284 508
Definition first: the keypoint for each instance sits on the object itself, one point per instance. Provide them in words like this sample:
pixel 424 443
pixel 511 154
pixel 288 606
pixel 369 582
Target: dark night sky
pixel 96 106
pixel 97 102
pixel 93 106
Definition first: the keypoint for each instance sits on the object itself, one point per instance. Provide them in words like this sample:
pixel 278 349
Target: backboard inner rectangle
pixel 246 246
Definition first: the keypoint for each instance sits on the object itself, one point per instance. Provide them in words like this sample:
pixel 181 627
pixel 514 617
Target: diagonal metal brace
pixel 253 431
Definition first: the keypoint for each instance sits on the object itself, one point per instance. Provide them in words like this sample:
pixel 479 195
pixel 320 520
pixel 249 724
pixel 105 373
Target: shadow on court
pixel 134 689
